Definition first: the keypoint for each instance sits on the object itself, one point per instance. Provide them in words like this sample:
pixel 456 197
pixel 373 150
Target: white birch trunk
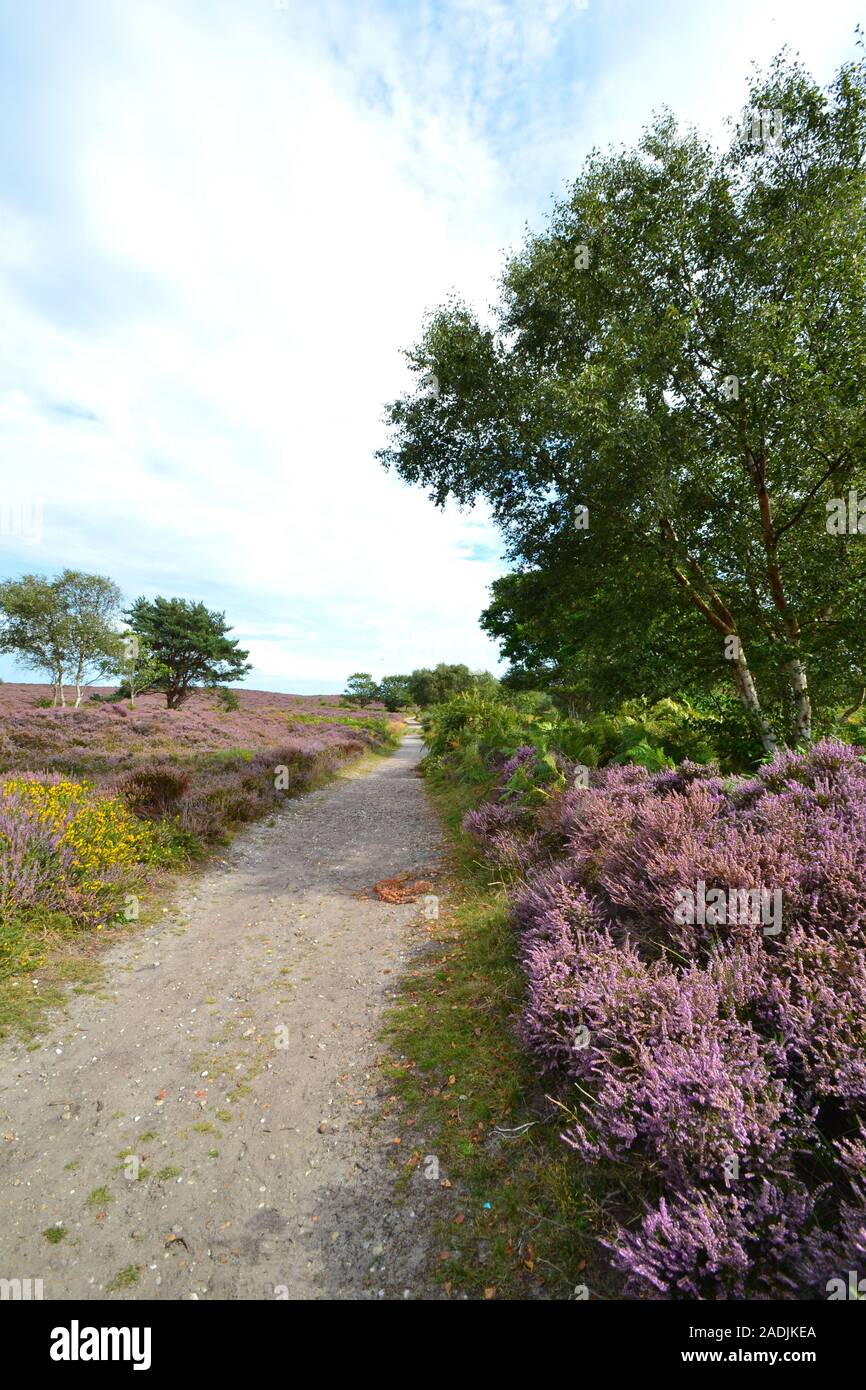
pixel 748 693
pixel 803 704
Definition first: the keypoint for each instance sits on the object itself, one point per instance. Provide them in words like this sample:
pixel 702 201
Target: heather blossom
pixel 724 1062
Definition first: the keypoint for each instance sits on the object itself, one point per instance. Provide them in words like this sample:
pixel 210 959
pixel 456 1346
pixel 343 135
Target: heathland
pixel 96 801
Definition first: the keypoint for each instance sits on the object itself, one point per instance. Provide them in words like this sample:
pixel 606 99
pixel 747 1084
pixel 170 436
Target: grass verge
pixel 42 954
pixel 527 1216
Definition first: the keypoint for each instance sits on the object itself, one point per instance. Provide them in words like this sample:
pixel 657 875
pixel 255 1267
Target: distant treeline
pixel 424 687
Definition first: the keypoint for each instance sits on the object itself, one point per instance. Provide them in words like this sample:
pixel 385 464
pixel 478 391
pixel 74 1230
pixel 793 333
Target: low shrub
pixel 720 1062
pixel 472 737
pixel 65 847
pixel 154 789
pixel 227 699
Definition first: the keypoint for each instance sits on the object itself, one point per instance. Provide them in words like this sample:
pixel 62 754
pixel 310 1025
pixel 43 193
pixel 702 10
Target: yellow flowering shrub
pixel 101 833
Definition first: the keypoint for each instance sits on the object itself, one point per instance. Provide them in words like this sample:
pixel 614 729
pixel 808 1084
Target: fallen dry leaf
pixel 399 890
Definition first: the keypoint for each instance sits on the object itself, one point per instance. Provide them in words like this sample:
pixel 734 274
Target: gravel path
pixel 208 1125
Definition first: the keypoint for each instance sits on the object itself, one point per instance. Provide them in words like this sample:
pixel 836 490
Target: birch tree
pixel 673 381
pixel 91 607
pixel 34 628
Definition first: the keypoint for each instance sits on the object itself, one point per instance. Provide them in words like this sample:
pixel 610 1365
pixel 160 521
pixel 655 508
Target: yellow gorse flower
pixel 101 831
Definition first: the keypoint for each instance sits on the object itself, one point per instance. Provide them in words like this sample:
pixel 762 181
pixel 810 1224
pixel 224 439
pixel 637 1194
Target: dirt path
pixel 230 1061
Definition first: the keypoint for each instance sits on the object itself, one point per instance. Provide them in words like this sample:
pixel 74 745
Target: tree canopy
pixel 394 692
pixel 361 689
pixel 667 402
pixel 432 686
pixel 187 644
pixel 91 605
pixel 64 626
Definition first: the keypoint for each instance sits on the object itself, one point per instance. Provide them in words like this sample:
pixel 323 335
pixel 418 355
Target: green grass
pixel 124 1279
pixel 99 1198
pixel 373 723
pixel 55 1234
pixel 222 759
pixel 40 953
pixel 168 1174
pixel 524 1218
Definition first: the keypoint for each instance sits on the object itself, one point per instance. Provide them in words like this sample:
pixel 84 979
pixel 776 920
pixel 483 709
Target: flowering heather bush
pixel 154 789
pixel 511 832
pixel 720 1245
pixel 723 1066
pixel 239 787
pixel 521 760
pixel 35 866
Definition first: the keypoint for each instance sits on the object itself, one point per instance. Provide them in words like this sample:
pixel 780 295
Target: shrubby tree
pixel 485 684
pixel 361 689
pixel 559 638
pixel 394 692
pixel 188 645
pixel 671 396
pixel 432 687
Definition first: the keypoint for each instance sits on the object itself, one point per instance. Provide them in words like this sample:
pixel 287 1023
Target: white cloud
pixel 245 213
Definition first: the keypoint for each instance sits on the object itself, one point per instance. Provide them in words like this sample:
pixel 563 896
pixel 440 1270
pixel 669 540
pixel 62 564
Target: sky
pixel 221 224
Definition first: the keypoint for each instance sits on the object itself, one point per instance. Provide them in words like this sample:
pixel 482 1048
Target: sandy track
pixel 228 1055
